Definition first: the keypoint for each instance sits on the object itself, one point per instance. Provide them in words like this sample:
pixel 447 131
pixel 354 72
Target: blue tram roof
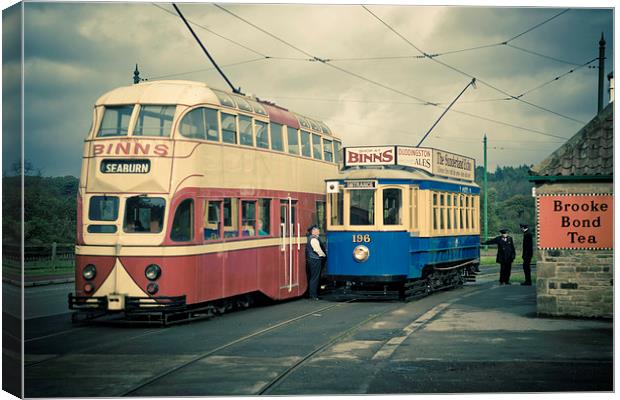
pixel 407 176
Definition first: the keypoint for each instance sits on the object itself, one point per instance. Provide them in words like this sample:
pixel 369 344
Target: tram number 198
pixel 361 238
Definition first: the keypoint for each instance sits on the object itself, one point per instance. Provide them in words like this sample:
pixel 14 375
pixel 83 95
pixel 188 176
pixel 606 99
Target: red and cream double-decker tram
pixel 192 197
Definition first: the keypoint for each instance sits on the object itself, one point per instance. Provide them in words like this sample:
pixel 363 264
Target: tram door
pixel 290 233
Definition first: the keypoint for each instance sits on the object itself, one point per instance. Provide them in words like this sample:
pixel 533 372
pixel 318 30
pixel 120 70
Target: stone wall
pixel 575 282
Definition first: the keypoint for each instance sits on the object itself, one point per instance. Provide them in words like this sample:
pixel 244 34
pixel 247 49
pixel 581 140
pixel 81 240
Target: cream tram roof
pixel 191 93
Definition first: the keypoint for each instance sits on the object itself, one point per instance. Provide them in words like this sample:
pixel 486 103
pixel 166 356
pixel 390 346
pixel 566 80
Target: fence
pixel 43 258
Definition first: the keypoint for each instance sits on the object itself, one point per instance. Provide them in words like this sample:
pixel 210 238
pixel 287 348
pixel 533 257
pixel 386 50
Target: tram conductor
pixel 315 255
pixel 505 255
pixel 528 251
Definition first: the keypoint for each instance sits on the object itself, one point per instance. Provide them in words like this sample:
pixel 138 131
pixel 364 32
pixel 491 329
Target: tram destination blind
pixel 111 166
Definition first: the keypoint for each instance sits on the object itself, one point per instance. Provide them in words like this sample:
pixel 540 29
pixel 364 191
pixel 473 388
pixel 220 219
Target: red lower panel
pixel 213 276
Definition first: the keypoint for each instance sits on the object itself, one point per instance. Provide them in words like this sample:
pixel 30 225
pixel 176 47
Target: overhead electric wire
pixel 205 69
pixel 537 25
pixel 540 55
pixel 470 75
pixel 557 77
pixel 380 84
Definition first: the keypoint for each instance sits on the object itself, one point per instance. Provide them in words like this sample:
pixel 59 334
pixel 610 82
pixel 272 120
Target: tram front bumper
pixel 131 305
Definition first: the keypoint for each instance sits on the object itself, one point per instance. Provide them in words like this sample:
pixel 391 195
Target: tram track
pixel 211 352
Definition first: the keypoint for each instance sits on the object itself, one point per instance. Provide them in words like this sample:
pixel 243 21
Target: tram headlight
pixel 361 253
pixel 152 272
pixel 89 272
pixel 152 288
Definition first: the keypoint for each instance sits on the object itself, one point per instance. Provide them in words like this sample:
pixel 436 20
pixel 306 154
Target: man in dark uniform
pixel 315 254
pixel 505 255
pixel 528 251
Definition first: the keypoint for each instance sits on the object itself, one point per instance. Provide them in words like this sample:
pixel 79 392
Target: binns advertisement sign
pixel 575 222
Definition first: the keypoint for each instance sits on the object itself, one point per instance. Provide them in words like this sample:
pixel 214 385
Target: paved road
pixel 480 338
pixel 39 301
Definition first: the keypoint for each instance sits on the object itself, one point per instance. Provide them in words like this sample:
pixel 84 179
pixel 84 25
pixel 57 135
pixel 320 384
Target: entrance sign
pixel 575 222
pixel 437 162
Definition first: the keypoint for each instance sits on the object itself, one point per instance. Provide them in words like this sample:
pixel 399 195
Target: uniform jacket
pixel 505 249
pixel 310 253
pixel 528 249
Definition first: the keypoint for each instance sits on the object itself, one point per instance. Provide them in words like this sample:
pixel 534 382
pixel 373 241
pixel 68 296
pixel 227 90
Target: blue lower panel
pixel 396 253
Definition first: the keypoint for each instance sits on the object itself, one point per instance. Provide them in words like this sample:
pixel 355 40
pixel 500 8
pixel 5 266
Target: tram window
pixel 449 211
pixel 101 229
pixel 336 208
pixel 276 137
pixel 435 212
pixel 212 223
pixel 262 135
pixel 414 208
pixel 303 122
pixel 306 149
pixel 258 109
pixel 320 215
pixel 243 104
pixel 231 218
pixel 442 211
pixel 337 148
pixel 144 214
pixel 183 224
pixel 328 150
pixel 115 121
pixel 324 128
pixel 229 128
pixel 103 208
pixel 362 211
pixel 316 147
pixel 467 212
pixel 264 217
pixel 154 121
pixel 248 218
pixel 284 213
pixel 392 204
pixel 246 136
pixel 224 99
pixel 293 140
pixel 200 123
pixel 315 126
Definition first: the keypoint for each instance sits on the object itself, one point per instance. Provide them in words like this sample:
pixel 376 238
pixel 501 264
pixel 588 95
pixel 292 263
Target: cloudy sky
pixel 376 86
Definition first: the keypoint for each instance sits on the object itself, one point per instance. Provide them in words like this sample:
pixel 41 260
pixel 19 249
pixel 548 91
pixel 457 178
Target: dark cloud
pixel 74 52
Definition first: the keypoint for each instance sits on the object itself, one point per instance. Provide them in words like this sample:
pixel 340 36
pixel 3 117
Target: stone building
pixel 574 201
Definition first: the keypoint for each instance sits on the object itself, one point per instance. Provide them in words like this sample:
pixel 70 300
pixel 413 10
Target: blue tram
pixel 400 222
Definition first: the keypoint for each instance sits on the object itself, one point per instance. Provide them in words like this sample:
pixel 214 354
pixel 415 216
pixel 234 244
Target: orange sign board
pixel 575 222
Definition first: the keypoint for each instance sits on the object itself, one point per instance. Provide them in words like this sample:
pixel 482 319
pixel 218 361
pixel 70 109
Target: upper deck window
pixel 262 135
pixel 200 123
pixel 293 140
pixel 328 150
pixel 337 150
pixel 154 121
pixel 258 109
pixel 246 136
pixel 115 121
pixel 242 104
pixel 315 125
pixel 144 214
pixel 229 128
pixel 316 147
pixel 276 137
pixel 306 148
pixel 324 128
pixel 303 122
pixel 362 211
pixel 224 99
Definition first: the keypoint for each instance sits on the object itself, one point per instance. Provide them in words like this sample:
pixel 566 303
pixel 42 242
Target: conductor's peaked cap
pixel 503 231
pixel 523 225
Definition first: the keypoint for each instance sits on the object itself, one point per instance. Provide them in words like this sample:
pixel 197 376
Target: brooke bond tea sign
pixel 416 157
pixel 453 165
pixel 355 156
pixel 575 222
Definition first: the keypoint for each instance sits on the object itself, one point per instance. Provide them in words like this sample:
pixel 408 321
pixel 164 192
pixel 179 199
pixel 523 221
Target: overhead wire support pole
pixel 472 83
pixel 234 89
